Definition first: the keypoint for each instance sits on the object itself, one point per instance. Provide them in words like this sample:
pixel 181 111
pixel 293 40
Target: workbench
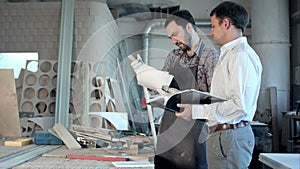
pixel 293 131
pixel 280 160
pixel 54 156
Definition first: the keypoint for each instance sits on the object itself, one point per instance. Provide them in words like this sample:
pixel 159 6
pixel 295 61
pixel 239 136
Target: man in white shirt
pixel 237 78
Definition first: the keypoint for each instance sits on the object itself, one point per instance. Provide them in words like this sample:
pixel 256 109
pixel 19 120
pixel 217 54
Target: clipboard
pixel 190 96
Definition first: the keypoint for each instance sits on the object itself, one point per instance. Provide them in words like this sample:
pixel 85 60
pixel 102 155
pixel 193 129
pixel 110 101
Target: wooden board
pixel 101 133
pixel 18 142
pixel 117 95
pixel 9 113
pixel 66 137
pixel 19 81
pixel 275 130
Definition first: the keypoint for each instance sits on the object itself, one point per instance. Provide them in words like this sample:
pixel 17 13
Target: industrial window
pixel 16 61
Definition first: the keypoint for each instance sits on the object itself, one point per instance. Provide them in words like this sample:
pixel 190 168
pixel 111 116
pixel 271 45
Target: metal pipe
pixel 146 43
pixel 157 24
pixel 202 24
pixel 64 63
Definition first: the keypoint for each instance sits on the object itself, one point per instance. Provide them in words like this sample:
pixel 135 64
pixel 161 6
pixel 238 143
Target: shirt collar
pixel 228 46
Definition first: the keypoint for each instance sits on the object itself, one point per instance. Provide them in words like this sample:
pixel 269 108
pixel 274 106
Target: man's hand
pixel 148 76
pixel 187 112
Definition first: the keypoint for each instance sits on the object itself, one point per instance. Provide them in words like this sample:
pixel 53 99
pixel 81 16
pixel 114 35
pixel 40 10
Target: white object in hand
pixel 148 76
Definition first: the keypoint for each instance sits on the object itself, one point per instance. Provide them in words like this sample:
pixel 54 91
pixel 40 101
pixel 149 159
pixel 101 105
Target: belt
pixel 225 126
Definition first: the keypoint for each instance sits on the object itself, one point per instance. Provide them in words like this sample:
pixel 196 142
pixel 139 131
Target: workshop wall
pixel 30 27
pixel 35 26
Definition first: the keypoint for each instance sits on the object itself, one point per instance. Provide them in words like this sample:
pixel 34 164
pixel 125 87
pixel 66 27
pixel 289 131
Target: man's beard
pixel 185 47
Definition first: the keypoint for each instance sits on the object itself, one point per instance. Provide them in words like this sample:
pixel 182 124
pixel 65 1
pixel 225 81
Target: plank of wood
pixel 101 133
pixel 275 131
pixel 19 86
pixel 9 113
pixel 66 137
pixel 53 132
pixel 91 129
pixel 19 81
pixel 18 142
pixel 116 94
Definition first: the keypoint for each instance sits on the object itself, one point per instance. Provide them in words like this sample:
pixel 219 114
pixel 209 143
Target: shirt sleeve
pixel 242 90
pixel 203 111
pixel 198 112
pixel 211 62
pixel 208 59
pixel 169 61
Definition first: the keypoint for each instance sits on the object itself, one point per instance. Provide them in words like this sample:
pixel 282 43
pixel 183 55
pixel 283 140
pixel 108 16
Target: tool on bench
pixel 116 135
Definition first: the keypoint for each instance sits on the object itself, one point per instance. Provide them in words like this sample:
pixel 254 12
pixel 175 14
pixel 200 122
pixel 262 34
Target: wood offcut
pixel 66 137
pixel 18 142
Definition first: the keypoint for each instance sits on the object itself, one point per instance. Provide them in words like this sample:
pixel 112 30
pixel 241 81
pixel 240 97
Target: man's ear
pixel 189 27
pixel 226 23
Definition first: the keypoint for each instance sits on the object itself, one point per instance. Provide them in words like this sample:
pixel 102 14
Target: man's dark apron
pixel 177 143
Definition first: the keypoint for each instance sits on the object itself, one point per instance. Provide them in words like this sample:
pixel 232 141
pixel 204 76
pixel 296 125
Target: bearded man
pixel 192 66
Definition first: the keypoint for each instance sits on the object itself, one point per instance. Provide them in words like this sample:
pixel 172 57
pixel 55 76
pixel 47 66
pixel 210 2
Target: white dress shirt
pixel 237 78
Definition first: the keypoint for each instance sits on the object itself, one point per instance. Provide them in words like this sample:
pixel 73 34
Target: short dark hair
pixel 181 17
pixel 235 12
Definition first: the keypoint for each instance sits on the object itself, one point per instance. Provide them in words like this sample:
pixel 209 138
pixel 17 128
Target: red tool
pixel 97 158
